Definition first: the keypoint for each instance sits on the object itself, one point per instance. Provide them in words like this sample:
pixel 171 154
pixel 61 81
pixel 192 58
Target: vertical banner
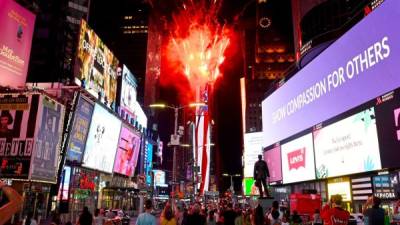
pixel 16 29
pixel 48 141
pixel 18 114
pixel 80 130
pixel 148 166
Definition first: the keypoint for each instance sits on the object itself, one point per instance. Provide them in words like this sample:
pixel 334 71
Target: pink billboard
pixel 273 159
pixel 127 153
pixel 17 25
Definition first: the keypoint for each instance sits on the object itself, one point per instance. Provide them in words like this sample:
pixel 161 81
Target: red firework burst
pixel 198 42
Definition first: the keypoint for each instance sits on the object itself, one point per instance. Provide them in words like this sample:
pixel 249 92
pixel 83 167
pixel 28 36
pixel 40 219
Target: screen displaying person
pixel 5 121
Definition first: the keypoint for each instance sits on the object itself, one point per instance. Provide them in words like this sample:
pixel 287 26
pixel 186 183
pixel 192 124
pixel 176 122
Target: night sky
pixel 227 112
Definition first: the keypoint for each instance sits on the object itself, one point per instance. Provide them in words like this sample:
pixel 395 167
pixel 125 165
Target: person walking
pixel 333 213
pixel 30 220
pixel 196 218
pixel 85 218
pixel 261 173
pixel 317 218
pixel 258 215
pixel 167 216
pixel 146 218
pixel 373 213
pixel 211 218
pixel 99 219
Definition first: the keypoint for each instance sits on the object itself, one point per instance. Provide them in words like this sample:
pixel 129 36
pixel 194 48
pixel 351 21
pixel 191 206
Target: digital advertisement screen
pixel 348 146
pixel 128 91
pixel 45 159
pixel 96 66
pixel 388 123
pixel 298 160
pixel 80 130
pixel 340 188
pixel 17 25
pixel 252 148
pixel 127 153
pixel 249 187
pixel 148 161
pixel 361 58
pixel 102 141
pixel 159 178
pixel 63 192
pixel 273 159
pixel 18 119
pixel 385 186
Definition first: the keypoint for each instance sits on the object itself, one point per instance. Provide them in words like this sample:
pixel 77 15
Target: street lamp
pixel 231 176
pixel 176 110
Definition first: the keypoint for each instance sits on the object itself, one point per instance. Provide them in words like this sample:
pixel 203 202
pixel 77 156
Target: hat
pixel 6 113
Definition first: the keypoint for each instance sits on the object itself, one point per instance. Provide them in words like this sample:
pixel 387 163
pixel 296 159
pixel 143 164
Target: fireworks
pixel 198 42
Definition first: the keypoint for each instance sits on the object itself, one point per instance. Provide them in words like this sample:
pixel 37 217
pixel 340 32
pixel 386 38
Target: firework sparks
pixel 198 42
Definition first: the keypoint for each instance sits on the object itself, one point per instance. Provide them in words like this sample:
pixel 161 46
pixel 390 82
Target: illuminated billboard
pixel 252 148
pixel 347 146
pixel 331 83
pixel 340 186
pixel 18 122
pixel 17 25
pixel 128 152
pixel 128 91
pixel 272 157
pixel 148 161
pixel 80 129
pixel 96 66
pixel 45 159
pixel 102 141
pixel 159 178
pixel 298 160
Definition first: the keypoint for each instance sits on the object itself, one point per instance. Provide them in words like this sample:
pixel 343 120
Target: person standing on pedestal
pixel 260 176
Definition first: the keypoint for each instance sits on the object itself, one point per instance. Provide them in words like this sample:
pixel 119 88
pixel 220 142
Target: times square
pixel 230 112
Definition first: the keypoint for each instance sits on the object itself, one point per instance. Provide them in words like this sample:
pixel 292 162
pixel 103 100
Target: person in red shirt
pixel 333 213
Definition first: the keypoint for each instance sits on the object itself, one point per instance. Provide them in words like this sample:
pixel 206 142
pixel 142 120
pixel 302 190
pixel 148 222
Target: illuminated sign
pixel 340 186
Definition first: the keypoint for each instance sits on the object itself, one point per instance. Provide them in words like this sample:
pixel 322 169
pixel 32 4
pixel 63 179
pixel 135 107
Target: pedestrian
pixel 99 219
pixel 274 212
pixel 229 215
pixel 258 215
pixel 13 205
pixel 373 213
pixel 195 218
pixel 296 219
pixel 167 216
pixel 146 218
pixel 30 220
pixel 211 218
pixel 317 218
pixel 333 213
pixel 239 220
pixel 85 218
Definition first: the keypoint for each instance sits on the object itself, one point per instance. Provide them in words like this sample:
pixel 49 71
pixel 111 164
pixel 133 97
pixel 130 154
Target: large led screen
pixel 331 83
pixel 102 140
pixel 128 91
pixel 273 159
pixel 148 161
pixel 252 148
pixel 16 29
pixel 388 124
pixel 18 122
pixel 96 66
pixel 298 160
pixel 46 154
pixel 127 153
pixel 80 130
pixel 348 146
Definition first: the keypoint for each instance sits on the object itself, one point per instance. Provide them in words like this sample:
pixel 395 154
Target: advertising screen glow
pixel 298 160
pixel 252 148
pixel 127 153
pixel 102 140
pixel 362 57
pixel 340 188
pixel 16 29
pixel 96 66
pixel 273 159
pixel 348 146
